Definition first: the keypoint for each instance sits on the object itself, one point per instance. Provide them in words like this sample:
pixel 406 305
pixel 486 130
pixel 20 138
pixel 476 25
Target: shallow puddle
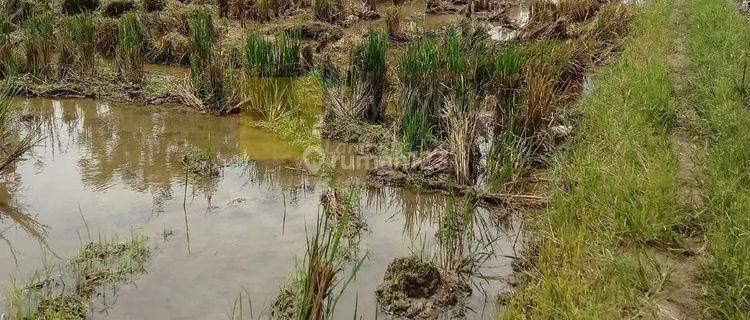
pixel 110 169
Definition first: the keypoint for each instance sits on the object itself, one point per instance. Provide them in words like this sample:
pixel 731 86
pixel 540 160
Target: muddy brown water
pixel 106 169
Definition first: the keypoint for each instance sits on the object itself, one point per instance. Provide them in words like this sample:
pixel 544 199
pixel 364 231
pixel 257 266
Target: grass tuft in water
pixel 65 291
pixel 312 291
pixel 212 76
pixel 544 64
pixel 279 57
pixel 131 40
pixel 77 52
pixel 38 44
pixel 368 71
pixel 420 95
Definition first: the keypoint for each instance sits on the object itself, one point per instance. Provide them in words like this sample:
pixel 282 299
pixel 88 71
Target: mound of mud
pixel 415 288
pixel 430 171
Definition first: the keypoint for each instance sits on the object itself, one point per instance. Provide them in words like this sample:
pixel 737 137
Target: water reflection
pixel 12 216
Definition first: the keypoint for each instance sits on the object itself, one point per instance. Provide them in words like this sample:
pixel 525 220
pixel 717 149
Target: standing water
pixel 105 170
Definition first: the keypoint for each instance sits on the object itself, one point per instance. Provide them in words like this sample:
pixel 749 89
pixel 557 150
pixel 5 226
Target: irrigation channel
pixel 105 169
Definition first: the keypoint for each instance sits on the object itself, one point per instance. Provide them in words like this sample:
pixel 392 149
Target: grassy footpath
pixel 718 45
pixel 618 196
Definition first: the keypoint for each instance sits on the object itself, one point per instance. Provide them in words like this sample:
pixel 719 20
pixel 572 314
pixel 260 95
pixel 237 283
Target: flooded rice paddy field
pixel 105 170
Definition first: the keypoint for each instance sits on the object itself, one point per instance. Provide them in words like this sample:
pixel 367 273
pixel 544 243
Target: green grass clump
pixel 77 51
pixel 420 96
pixel 38 44
pixel 276 58
pixel 213 77
pixel 433 69
pixel 368 70
pixel 131 40
pixel 588 252
pixel 717 43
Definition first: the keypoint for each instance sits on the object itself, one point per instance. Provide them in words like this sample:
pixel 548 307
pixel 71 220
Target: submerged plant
pixel 277 58
pixel 461 116
pixel 38 43
pixel 131 37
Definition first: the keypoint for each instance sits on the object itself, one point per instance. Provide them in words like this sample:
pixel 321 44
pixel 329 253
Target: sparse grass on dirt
pixel 718 46
pixel 587 256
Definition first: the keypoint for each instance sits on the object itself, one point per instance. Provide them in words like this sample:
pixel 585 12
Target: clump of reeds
pixel 105 36
pixel 461 115
pixel 432 66
pixel 612 23
pixel 368 71
pixel 213 79
pixel 545 62
pixel 279 57
pixel 77 52
pixel 259 10
pixel 331 11
pixel 172 47
pixel 131 38
pixel 420 93
pixel 506 84
pixel 509 152
pixel 38 44
pixel 79 6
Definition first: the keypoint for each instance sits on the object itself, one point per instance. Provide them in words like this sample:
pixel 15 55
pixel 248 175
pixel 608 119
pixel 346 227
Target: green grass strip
pixel 618 191
pixel 718 44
